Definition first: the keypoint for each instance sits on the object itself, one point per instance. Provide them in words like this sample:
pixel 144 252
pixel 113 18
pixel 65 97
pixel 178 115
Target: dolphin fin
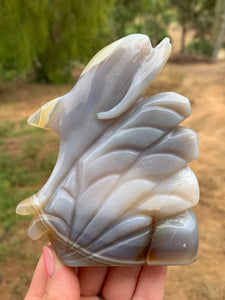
pixel 25 207
pixel 42 117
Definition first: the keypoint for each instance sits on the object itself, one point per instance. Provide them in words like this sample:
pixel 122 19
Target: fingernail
pixel 48 261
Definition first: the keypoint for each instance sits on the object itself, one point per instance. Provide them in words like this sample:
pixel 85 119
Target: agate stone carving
pixel 121 190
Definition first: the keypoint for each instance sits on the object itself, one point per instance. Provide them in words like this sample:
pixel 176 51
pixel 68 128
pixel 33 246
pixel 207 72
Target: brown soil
pixel 183 59
pixel 204 85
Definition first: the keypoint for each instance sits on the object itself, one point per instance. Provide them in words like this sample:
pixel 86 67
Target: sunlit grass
pixel 15 128
pixel 27 156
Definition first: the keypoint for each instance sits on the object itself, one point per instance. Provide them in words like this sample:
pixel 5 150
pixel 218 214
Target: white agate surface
pixel 121 191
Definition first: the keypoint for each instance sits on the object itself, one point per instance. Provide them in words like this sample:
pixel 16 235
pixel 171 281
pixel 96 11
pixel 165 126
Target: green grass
pixel 26 161
pixel 15 128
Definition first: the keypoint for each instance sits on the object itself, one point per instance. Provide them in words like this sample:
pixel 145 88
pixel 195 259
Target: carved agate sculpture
pixel 121 191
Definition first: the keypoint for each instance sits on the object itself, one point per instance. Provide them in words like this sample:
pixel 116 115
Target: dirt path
pixel 204 85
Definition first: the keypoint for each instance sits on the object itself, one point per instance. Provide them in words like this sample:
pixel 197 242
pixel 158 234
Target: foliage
pixel 195 14
pixel 157 15
pixel 124 14
pixel 200 47
pixel 48 36
pixel 149 17
pixel 204 19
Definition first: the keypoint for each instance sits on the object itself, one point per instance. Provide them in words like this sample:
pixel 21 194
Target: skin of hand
pixel 52 280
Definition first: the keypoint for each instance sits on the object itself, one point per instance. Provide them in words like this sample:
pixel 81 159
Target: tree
pixel 144 16
pixel 46 36
pixel 124 14
pixel 157 16
pixel 219 27
pixel 194 14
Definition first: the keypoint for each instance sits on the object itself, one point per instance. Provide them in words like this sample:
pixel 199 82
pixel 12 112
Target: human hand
pixel 55 281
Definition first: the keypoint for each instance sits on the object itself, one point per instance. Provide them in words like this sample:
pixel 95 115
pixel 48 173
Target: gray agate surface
pixel 121 190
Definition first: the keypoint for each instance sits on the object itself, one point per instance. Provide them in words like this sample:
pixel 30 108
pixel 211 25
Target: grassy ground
pixel 20 152
pixel 28 154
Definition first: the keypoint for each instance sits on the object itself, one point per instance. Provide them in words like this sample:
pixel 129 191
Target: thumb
pixel 63 281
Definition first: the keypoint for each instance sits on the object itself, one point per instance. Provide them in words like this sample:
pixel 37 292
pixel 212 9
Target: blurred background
pixel 44 46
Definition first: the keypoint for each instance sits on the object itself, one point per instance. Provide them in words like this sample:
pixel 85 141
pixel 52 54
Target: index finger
pixel 39 282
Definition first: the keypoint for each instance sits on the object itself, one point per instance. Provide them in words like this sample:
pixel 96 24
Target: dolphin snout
pixel 164 47
pixel 139 43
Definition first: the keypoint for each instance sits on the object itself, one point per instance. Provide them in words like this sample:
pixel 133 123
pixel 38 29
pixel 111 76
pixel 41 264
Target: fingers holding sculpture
pixel 54 280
